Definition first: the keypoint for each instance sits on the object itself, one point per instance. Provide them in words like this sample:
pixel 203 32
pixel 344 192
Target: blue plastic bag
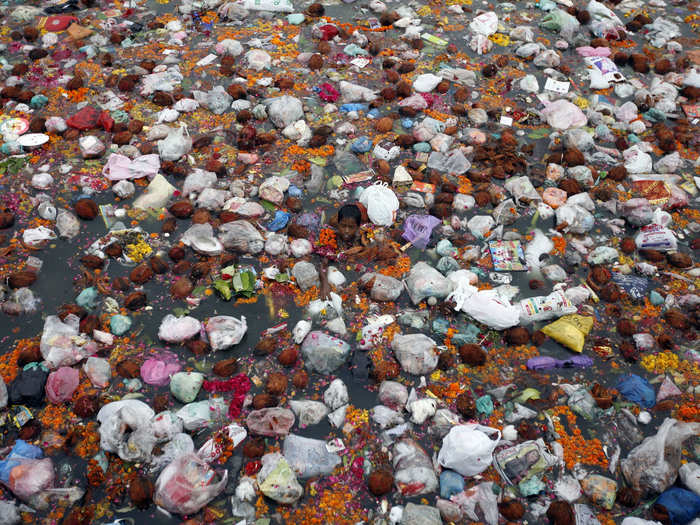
pixel 681 504
pixel 280 221
pixel 638 390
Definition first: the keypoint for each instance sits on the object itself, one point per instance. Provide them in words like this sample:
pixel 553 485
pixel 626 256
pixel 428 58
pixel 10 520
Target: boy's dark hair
pixel 350 211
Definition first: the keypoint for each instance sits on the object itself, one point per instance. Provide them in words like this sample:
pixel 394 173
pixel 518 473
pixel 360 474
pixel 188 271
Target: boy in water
pixel 349 219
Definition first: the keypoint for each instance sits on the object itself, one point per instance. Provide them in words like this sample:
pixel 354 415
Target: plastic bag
pixel 638 390
pixel 285 110
pixel 187 485
pixel 468 449
pixel 272 422
pixel 413 469
pixel 381 204
pixel 157 370
pixel 560 22
pixel 277 480
pixel 202 413
pixel 98 371
pixel 156 195
pixel 482 495
pixel 309 457
pixel 652 466
pixel 570 331
pixel 484 24
pixel 384 287
pixel 24 471
pixel 225 331
pixel 61 344
pixel 416 353
pixel 120 167
pixel 28 386
pixel 485 306
pixel 425 281
pixel 178 329
pixel 656 237
pixel 175 145
pixel 562 114
pixel 681 505
pixel 600 490
pixel 324 353
pixel 126 429
pixel 241 236
pixel 61 384
pixel 213 448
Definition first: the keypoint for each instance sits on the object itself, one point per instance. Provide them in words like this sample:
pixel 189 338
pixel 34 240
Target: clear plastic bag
pixel 413 470
pixel 126 429
pixel 241 236
pixel 384 287
pixel 324 353
pixel 98 371
pixel 309 457
pixel 417 353
pixel 187 485
pixel 425 281
pixel 653 465
pixel 483 496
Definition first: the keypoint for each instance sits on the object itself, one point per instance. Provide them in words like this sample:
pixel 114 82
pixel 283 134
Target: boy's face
pixel 347 229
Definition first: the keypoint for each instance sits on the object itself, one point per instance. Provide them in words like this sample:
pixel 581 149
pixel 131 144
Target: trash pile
pixel 272 262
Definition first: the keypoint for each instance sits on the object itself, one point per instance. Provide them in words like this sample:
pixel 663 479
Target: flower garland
pixel 239 385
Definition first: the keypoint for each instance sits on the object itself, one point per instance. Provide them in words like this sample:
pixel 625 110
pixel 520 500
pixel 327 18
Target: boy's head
pixel 349 220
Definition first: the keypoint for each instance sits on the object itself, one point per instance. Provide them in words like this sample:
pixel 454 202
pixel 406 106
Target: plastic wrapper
pixel 523 461
pixel 188 484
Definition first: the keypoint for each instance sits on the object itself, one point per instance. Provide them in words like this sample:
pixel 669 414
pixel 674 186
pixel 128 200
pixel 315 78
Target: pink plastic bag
pixel 30 477
pixel 157 370
pixel 61 384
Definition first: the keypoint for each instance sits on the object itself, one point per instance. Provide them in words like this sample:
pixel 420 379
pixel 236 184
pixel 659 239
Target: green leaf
pixel 268 205
pixel 222 287
pixel 179 311
pixel 199 291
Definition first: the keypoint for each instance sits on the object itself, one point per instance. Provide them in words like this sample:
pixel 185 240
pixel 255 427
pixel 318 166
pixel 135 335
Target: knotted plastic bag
pixel 175 145
pixel 468 449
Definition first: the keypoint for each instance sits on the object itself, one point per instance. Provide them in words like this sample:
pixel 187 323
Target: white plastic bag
pixel 175 145
pixel 381 204
pixel 485 306
pixel 468 449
